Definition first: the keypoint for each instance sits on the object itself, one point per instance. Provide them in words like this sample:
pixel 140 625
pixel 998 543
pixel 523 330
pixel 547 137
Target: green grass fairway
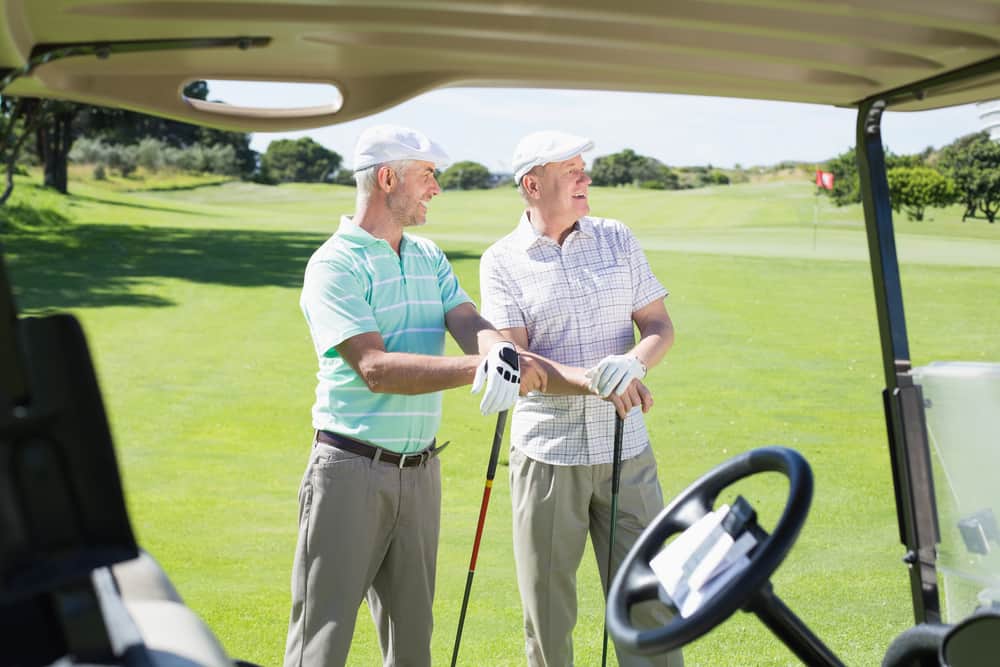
pixel 190 301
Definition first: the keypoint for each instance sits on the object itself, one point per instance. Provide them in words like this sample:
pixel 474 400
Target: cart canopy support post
pixel 904 410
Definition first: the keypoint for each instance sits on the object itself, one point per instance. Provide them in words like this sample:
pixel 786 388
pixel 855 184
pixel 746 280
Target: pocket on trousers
pixel 324 456
pixel 305 499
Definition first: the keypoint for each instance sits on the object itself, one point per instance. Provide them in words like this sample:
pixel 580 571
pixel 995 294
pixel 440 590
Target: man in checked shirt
pixel 569 287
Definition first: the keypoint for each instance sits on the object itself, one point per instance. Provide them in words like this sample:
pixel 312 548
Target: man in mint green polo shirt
pixel 378 302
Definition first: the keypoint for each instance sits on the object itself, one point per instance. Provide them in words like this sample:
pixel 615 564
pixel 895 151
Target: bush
pixel 719 178
pixel 465 175
pixel 153 155
pixel 99 173
pixel 89 151
pixel 123 158
pixel 344 177
pixel 913 189
pixel 628 167
pixel 846 182
pixel 190 159
pixel 973 162
pixel 263 175
pixel 220 159
pixel 300 160
pixel 149 154
pixel 115 156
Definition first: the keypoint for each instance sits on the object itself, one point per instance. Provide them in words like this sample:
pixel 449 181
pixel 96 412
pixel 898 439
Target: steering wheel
pixel 635 581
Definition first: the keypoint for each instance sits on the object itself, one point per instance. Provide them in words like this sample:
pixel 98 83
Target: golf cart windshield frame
pixel 902 399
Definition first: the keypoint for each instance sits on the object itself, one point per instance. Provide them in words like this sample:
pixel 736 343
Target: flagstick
pixel 815 218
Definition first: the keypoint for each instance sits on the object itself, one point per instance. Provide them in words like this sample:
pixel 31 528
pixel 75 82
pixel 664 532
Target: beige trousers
pixel 555 507
pixel 365 529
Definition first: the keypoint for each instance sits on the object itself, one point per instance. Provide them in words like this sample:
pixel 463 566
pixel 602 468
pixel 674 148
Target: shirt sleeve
pixel 334 305
pixel 452 293
pixel 499 293
pixel 645 287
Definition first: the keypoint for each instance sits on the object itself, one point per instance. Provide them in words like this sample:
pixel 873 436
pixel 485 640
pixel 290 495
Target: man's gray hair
pixel 367 179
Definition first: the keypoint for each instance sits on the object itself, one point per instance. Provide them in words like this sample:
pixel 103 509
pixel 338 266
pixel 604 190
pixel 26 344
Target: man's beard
pixel 405 217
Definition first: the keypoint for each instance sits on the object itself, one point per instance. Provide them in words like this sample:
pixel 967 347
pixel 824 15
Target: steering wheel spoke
pixel 643 585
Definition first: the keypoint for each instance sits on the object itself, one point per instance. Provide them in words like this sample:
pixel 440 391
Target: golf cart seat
pixel 74 586
pixel 972 642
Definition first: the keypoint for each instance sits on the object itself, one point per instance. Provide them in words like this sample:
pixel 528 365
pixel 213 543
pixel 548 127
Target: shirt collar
pixel 350 232
pixel 528 236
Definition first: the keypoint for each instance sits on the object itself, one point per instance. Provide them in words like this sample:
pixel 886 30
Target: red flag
pixel 824 179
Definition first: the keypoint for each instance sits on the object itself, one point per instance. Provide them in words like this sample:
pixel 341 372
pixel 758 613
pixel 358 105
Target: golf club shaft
pixel 491 470
pixel 616 476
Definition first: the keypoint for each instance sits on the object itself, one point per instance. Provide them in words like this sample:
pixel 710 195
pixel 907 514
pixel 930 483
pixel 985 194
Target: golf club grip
pixel 616 466
pixel 491 469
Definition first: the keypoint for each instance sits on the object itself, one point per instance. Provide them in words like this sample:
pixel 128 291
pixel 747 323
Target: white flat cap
pixel 547 146
pixel 386 143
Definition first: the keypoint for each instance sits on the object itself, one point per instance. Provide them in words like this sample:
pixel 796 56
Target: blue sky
pixel 484 124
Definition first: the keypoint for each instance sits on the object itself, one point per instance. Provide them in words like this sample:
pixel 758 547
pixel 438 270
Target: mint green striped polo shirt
pixel 355 283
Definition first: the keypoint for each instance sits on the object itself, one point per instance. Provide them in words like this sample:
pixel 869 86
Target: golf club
pixel 616 476
pixel 490 472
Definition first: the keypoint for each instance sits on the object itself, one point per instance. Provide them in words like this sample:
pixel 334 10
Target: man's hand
pixel 499 372
pixel 636 395
pixel 615 373
pixel 534 376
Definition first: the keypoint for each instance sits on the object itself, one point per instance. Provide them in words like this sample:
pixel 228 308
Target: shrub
pixel 89 151
pixel 149 154
pixel 123 158
pixel 465 175
pixel 913 189
pixel 300 160
pixel 221 159
pixel 344 177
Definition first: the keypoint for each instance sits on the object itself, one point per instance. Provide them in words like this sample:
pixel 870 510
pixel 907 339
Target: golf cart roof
pixel 381 52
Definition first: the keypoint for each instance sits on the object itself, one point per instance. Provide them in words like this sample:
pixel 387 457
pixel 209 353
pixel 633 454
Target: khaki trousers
pixel 365 529
pixel 555 507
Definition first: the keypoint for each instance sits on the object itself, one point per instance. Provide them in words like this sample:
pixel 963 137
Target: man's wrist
pixel 642 364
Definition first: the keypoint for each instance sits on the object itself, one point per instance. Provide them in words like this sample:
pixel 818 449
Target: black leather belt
pixel 360 448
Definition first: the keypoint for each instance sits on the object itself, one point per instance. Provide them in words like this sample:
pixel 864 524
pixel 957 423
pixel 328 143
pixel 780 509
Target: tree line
pixel 966 171
pixel 53 133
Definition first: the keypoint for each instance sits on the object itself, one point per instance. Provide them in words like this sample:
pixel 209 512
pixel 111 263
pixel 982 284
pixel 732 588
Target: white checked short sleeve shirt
pixel 576 303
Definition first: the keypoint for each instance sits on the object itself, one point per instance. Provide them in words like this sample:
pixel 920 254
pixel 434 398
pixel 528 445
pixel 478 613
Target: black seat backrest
pixel 62 510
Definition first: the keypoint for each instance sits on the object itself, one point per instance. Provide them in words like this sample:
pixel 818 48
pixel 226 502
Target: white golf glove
pixel 615 373
pixel 500 372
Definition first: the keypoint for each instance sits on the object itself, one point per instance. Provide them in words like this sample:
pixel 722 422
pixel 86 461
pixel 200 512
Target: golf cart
pixel 73 581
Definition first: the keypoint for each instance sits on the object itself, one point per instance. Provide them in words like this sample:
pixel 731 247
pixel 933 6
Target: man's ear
pixel 386 178
pixel 531 185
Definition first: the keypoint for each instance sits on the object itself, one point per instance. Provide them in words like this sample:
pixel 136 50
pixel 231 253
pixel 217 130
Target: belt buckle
pixel 424 457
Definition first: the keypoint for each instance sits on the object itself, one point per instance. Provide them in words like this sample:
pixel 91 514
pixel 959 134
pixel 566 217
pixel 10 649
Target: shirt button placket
pixel 573 271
